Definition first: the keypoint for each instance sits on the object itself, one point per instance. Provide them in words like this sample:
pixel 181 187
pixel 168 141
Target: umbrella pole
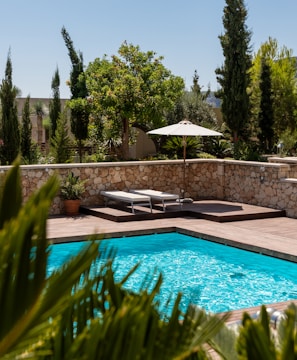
pixel 184 173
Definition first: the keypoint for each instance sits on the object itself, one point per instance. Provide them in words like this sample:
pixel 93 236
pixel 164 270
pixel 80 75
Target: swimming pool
pixel 213 276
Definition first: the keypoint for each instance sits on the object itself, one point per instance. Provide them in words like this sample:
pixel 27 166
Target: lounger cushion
pixel 125 196
pixel 155 194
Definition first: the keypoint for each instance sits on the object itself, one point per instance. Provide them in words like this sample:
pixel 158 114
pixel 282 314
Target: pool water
pixel 210 275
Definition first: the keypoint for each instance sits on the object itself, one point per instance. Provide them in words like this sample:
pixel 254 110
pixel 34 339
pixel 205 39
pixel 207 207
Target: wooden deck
pixel 249 227
pixel 213 210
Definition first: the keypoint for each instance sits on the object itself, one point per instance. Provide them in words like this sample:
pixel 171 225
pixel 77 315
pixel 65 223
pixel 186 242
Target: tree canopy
pixel 266 118
pixel 26 132
pixel 55 103
pixel 282 66
pixel 132 87
pixel 78 103
pixel 10 132
pixel 233 76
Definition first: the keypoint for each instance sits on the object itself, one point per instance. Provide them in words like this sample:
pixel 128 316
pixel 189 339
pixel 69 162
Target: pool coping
pixel 235 316
pixel 186 231
pixel 273 237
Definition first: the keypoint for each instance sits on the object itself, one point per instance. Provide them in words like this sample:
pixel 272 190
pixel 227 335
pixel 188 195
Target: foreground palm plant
pixel 261 340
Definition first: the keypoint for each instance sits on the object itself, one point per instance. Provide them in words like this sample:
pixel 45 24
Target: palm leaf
pixel 11 195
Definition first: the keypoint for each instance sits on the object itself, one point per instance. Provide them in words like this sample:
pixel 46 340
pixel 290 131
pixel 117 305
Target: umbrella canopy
pixel 184 128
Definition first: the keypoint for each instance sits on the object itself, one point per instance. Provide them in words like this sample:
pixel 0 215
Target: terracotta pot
pixel 71 207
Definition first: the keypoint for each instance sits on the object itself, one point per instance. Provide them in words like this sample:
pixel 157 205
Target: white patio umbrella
pixel 184 128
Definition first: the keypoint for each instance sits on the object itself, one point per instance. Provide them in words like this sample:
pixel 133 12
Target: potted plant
pixel 71 191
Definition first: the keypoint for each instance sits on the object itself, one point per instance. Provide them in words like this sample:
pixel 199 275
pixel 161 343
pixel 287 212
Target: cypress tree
pixel 60 141
pixel 10 131
pixel 233 76
pixel 55 103
pixel 26 132
pixel 266 119
pixel 78 104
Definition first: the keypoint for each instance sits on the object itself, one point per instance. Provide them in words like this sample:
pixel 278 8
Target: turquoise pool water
pixel 213 276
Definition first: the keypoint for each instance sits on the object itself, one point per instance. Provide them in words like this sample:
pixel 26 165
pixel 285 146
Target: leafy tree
pixel 233 76
pixel 196 88
pixel 60 148
pixel 26 132
pixel 55 103
pixel 198 111
pixel 192 106
pixel 10 131
pixel 132 87
pixel 78 104
pixel 283 86
pixel 176 114
pixel 266 109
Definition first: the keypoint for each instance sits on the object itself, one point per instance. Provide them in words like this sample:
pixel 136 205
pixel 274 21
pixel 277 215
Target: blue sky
pixel 184 32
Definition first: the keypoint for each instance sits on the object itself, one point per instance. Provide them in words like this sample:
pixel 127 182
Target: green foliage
pixel 205 155
pixel 78 104
pixel 10 132
pixel 234 76
pixel 55 103
pixel 257 340
pixel 266 118
pixel 72 187
pixel 219 148
pixel 174 146
pixel 176 114
pixel 197 110
pixel 60 141
pixel 80 112
pixel 289 142
pixel 26 132
pixel 77 84
pixel 39 109
pixel 248 151
pixel 132 87
pixel 23 260
pixel 283 85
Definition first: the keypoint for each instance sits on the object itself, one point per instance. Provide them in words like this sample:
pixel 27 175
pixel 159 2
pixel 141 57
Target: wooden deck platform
pixel 213 210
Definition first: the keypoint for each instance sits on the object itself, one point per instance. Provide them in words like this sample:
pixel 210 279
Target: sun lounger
pixel 159 196
pixel 127 197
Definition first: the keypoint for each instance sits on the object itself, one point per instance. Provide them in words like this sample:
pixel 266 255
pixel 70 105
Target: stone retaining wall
pixel 262 184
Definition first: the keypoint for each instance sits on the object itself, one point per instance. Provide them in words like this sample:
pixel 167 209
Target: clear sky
pixel 184 32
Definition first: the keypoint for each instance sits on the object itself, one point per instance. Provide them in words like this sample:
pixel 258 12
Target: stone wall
pixel 262 184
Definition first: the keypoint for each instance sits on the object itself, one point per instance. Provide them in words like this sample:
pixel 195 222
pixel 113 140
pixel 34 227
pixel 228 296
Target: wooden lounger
pixel 156 195
pixel 128 197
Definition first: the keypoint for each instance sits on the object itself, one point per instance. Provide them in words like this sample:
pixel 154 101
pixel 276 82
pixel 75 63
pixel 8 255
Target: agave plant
pixel 72 187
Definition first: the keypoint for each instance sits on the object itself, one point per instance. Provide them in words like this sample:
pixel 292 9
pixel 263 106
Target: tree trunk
pixel 80 145
pixel 125 139
pixel 39 130
pixel 236 144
